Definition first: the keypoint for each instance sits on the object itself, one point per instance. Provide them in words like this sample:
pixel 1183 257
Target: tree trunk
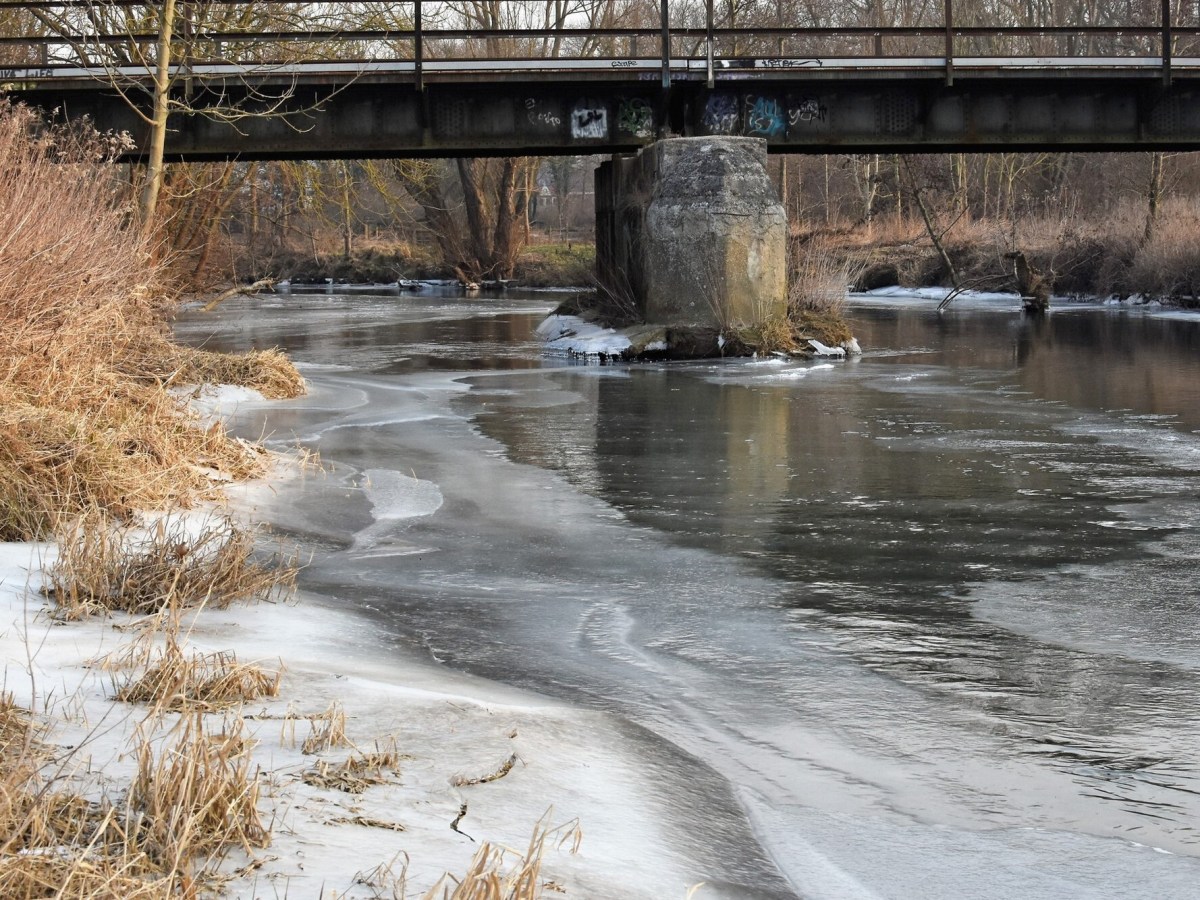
pixel 930 228
pixel 422 185
pixel 158 120
pixel 474 203
pixel 501 263
pixel 1153 192
pixel 347 213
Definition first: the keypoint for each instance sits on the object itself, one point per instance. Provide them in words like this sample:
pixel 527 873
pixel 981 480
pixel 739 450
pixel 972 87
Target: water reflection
pixel 1090 358
pixel 957 574
pixel 889 496
pixel 433 331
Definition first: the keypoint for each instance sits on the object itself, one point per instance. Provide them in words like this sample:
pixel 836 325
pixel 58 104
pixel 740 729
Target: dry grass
pixel 193 798
pixel 357 773
pixel 104 567
pixel 57 844
pixel 818 278
pixel 93 440
pixel 328 731
pixel 52 875
pixel 178 681
pixel 1110 254
pixel 269 372
pixel 85 419
pixel 17 734
pixel 197 797
pixel 497 873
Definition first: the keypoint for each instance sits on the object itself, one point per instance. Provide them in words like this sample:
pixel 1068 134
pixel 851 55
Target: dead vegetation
pixel 357 772
pixel 1115 254
pixel 86 421
pixel 269 372
pixel 177 681
pixel 56 843
pixel 196 795
pixel 498 873
pixel 96 451
pixel 173 563
pixel 818 281
pixel 328 731
pixel 504 769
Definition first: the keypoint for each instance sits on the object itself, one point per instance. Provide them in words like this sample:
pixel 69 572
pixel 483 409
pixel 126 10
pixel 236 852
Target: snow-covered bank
pixel 974 299
pixel 568 765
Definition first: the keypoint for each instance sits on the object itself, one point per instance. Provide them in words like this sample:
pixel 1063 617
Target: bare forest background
pixel 1093 223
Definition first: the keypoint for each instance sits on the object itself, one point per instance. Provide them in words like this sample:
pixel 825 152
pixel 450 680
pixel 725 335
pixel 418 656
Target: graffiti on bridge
pixel 721 114
pixel 589 120
pixel 634 116
pixel 537 115
pixel 770 116
pixel 764 117
pixel 804 110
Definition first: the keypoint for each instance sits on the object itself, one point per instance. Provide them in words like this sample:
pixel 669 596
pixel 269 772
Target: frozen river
pixel 923 624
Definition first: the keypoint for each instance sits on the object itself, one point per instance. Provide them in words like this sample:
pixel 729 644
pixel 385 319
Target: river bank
pixel 542 264
pixel 469 764
pixel 1119 256
pixel 173 720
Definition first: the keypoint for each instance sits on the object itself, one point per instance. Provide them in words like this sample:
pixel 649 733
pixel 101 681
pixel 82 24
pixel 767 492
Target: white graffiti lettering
pixel 807 110
pixel 25 73
pixel 540 118
pixel 589 121
pixel 787 63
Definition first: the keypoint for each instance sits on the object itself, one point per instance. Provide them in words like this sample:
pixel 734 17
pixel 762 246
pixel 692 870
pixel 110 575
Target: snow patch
pixel 573 335
pixel 825 350
pixel 219 401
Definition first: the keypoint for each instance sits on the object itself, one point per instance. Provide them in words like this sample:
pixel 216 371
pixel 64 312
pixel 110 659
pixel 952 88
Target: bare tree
pixel 146 52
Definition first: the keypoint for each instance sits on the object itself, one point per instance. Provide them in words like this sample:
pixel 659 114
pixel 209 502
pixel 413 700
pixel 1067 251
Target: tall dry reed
pixel 85 357
pixel 169 566
pixel 499 873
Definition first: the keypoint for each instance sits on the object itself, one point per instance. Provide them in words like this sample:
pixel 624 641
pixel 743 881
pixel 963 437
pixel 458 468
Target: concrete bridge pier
pixel 691 232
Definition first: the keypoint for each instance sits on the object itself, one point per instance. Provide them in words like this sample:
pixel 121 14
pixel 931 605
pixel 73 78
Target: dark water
pixel 927 619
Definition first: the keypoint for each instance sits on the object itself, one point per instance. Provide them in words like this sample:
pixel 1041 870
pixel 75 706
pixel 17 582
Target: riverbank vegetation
pixel 134 771
pixel 88 417
pixel 1092 224
pixel 93 439
pixel 1106 224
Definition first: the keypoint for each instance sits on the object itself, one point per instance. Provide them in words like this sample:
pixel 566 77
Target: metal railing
pixel 46 39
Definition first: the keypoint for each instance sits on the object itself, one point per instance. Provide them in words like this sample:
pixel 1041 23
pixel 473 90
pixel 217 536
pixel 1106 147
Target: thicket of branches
pixel 1101 223
pixel 474 214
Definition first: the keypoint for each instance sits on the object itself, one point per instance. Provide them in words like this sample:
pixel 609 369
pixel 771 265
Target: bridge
pixel 369 78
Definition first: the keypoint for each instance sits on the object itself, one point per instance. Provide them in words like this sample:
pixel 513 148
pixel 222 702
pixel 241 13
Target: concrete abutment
pixel 691 232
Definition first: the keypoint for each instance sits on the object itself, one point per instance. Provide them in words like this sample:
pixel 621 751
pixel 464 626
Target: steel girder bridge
pixel 270 79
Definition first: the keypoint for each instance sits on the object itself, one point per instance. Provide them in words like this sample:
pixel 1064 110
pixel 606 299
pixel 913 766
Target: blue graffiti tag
pixel 764 116
pixel 720 114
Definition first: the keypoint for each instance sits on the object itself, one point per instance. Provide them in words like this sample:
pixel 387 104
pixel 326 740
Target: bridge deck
pixel 528 86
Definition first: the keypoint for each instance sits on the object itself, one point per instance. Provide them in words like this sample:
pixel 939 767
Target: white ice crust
pixel 571 334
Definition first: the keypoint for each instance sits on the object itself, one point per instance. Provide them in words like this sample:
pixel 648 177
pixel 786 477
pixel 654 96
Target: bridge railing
pixel 437 39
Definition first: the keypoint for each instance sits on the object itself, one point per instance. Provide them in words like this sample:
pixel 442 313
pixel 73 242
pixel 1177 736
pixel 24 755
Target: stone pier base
pixel 690 232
